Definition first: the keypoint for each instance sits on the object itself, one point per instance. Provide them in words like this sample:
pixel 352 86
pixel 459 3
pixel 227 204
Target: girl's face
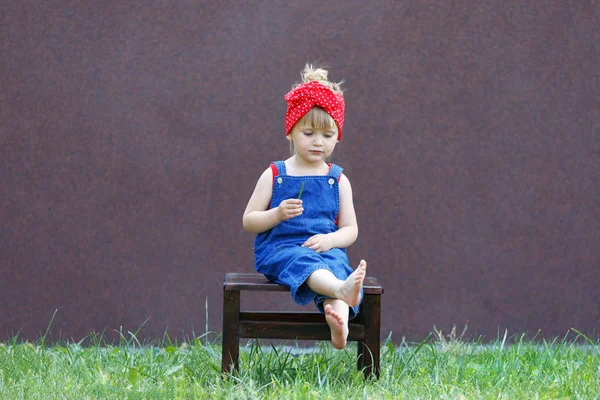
pixel 313 144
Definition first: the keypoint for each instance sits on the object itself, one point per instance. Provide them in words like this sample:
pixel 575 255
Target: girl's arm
pixel 256 219
pixel 347 226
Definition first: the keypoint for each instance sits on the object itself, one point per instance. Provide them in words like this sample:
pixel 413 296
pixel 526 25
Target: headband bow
pixel 304 97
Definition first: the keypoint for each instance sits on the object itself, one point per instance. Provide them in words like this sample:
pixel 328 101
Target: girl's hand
pixel 289 209
pixel 319 243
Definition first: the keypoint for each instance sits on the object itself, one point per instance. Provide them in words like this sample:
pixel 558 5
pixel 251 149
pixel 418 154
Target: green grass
pixel 440 367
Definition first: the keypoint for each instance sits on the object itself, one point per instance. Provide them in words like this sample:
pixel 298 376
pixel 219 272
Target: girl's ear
pixel 289 137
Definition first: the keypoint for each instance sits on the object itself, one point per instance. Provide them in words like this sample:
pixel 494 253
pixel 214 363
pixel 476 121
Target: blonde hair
pixel 319 73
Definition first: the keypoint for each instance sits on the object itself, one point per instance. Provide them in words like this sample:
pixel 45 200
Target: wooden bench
pixel 364 329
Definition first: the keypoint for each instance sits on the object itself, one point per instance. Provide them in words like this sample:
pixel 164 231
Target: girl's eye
pixel 308 133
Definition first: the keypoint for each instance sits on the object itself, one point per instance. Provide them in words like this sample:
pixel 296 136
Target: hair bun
pixel 312 73
pixel 317 73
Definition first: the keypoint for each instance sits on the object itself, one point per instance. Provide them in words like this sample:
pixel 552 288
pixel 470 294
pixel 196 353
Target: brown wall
pixel 132 134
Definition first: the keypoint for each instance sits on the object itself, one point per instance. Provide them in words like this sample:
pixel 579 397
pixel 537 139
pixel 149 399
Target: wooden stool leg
pixel 231 331
pixel 371 347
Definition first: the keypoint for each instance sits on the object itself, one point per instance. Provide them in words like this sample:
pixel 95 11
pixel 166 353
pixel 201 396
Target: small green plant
pixel 301 189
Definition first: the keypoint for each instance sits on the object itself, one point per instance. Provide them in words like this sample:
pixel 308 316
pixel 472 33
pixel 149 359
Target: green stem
pixel 301 189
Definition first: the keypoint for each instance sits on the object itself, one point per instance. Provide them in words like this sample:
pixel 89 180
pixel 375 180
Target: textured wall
pixel 132 134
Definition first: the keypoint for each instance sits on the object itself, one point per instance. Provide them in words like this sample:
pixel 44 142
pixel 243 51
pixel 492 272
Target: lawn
pixel 439 367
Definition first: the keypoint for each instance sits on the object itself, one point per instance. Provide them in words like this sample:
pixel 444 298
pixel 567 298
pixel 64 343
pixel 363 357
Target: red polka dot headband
pixel 304 97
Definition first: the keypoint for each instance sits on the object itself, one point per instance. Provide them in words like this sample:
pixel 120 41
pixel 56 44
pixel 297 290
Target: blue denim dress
pixel 278 252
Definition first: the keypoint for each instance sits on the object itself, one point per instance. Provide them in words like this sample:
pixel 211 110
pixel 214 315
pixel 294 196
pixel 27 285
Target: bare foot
pixel 339 327
pixel 350 291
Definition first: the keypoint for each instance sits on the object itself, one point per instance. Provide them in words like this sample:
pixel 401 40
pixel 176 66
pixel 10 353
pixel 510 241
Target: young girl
pixel 302 209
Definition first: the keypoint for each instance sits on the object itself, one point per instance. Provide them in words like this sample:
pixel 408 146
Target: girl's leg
pixel 336 315
pixel 324 282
